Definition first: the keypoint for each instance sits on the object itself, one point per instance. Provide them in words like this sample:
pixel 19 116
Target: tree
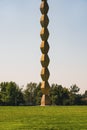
pixel 59 95
pixel 3 92
pixel 85 94
pixel 84 98
pixel 74 89
pixel 29 94
pixel 10 92
pixel 38 94
pixel 74 97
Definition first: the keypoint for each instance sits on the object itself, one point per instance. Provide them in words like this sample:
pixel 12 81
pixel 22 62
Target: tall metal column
pixel 45 87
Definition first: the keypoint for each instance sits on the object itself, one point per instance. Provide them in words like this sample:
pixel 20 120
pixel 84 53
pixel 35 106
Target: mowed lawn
pixel 43 118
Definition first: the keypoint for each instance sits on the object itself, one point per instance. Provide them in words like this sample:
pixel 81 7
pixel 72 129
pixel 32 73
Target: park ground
pixel 43 118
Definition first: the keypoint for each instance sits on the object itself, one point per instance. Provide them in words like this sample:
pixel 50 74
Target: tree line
pixel 13 95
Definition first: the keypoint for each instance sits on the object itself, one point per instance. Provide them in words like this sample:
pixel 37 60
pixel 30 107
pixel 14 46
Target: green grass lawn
pixel 43 118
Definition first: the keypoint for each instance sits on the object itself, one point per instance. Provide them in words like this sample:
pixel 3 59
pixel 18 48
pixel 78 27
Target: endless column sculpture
pixel 45 87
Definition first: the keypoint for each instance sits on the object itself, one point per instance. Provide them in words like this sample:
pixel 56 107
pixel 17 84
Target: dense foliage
pixel 11 94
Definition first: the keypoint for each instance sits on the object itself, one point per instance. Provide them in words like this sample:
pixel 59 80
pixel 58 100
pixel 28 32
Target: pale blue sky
pixel 20 41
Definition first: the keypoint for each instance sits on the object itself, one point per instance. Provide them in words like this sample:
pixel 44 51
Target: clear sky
pixel 20 42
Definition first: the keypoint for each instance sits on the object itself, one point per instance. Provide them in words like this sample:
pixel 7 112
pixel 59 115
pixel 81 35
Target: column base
pixel 45 100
